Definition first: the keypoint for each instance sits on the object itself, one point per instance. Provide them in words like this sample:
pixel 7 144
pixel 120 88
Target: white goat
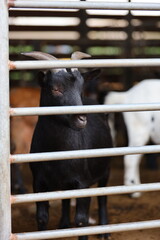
pixel 141 126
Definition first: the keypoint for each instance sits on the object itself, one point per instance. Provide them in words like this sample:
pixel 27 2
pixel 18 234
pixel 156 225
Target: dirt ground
pixel 121 207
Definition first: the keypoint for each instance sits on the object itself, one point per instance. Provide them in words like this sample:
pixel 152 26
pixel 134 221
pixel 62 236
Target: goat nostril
pixel 80 121
pixel 82 118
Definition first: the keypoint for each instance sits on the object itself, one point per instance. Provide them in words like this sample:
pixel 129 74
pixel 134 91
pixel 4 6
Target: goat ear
pixel 93 73
pixel 43 77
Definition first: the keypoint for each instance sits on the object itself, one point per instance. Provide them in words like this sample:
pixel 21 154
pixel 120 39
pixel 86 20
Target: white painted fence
pixel 5 112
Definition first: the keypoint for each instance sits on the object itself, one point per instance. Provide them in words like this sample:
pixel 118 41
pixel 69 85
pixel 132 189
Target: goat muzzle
pixel 80 121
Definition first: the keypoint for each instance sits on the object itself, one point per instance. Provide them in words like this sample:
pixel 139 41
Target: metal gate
pixel 6 200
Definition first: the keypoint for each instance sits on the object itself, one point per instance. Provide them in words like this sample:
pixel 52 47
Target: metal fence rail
pixel 20 65
pixel 5 199
pixel 85 5
pixel 33 111
pixel 91 192
pixel 86 231
pixel 75 154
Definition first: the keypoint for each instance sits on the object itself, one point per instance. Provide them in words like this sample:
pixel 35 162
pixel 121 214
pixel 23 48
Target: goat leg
pixel 17 185
pixel 82 214
pixel 65 217
pixel 102 209
pixel 42 215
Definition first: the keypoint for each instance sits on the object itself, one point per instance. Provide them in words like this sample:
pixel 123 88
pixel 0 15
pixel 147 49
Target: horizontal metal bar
pixel 86 230
pixel 43 64
pixel 91 192
pixel 33 111
pixel 84 5
pixel 89 153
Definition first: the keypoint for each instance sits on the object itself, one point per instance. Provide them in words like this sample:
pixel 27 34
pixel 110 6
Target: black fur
pixel 62 133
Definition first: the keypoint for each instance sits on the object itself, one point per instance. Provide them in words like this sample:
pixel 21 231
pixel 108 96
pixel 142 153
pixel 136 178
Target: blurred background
pixel 101 33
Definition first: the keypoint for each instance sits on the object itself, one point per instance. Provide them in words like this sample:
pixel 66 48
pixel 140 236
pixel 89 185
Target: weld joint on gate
pixel 11 111
pixel 11 3
pixel 12 199
pixel 11 65
pixel 13 237
pixel 11 159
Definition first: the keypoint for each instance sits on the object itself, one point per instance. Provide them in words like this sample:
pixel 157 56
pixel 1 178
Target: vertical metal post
pixel 129 78
pixel 83 28
pixel 5 207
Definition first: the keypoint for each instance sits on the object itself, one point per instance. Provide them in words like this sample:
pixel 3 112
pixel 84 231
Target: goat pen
pixel 6 159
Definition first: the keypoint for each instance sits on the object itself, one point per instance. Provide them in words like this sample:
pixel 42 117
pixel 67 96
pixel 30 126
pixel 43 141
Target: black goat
pixel 68 132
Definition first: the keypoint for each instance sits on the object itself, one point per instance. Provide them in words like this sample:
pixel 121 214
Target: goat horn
pixel 39 55
pixel 79 55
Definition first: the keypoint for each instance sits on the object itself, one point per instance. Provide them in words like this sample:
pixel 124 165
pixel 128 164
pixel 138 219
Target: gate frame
pixel 5 198
pixel 5 204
